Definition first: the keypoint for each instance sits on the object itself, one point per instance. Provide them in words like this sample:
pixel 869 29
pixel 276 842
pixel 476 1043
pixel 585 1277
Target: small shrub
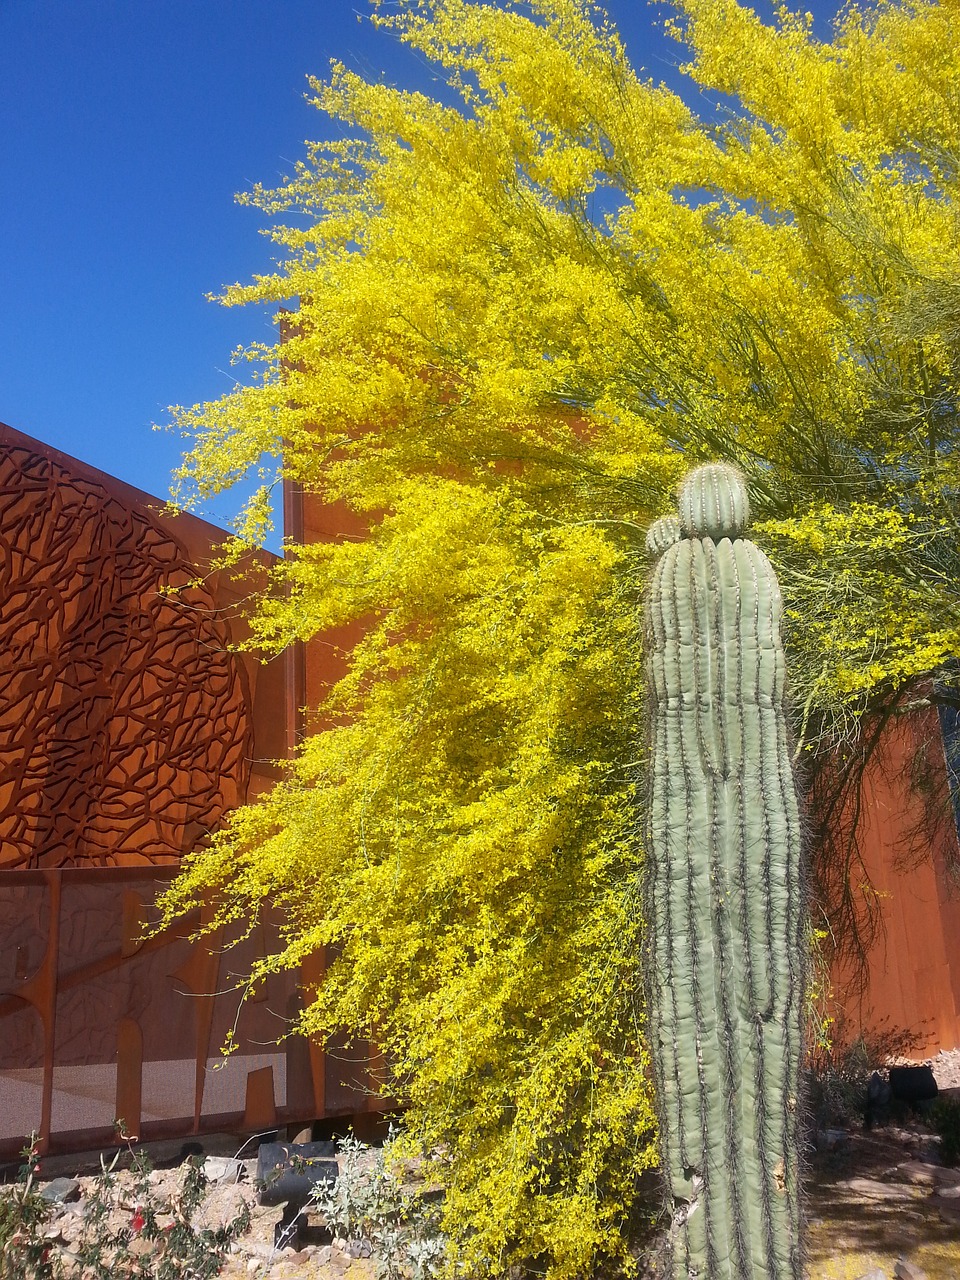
pixel 838 1069
pixel 169 1246
pixel 369 1204
pixel 945 1119
pixel 23 1215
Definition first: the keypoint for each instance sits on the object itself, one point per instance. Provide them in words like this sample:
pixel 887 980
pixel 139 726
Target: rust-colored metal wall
pixel 96 1024
pixel 128 730
pixel 913 968
pixel 316 667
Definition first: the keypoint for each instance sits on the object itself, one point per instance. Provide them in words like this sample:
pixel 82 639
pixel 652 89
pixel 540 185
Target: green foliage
pixel 524 312
pixel 369 1203
pixel 945 1118
pixel 23 1215
pixel 169 1245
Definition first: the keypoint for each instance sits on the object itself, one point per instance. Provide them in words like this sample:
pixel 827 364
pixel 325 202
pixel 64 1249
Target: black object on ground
pixel 913 1084
pixel 913 1088
pixel 287 1173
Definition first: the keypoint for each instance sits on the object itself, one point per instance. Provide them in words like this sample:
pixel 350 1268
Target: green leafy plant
pixel 23 1215
pixel 369 1204
pixel 945 1118
pixel 169 1246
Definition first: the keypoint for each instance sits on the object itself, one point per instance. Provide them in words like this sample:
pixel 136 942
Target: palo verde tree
pixel 525 309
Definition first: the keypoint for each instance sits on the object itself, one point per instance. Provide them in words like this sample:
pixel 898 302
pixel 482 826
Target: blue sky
pixel 126 127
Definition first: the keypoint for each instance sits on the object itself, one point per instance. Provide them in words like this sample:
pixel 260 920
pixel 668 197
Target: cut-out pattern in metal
pixel 124 726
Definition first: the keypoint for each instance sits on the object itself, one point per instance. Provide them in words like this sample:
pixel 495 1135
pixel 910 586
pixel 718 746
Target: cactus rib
pixel 725 900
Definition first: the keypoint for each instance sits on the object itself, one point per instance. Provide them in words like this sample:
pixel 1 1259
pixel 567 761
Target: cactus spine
pixel 725 897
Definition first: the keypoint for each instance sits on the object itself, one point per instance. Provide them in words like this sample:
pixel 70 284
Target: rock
pixel 875 1273
pixel 323 1255
pixel 948 1207
pixel 831 1139
pixel 904 1270
pixel 61 1190
pixel 223 1169
pixel 359 1248
pixel 71 1227
pixel 259 1252
pixel 917 1173
pixel 875 1190
pixel 906 1136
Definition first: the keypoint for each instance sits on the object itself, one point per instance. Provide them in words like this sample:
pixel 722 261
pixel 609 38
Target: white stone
pixel 223 1169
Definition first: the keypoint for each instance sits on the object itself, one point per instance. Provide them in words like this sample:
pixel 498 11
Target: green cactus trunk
pixel 725 893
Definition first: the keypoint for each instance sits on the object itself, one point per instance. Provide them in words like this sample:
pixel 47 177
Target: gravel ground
pixel 254 1253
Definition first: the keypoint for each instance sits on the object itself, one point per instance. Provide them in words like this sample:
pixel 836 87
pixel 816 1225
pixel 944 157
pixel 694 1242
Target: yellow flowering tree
pixel 525 308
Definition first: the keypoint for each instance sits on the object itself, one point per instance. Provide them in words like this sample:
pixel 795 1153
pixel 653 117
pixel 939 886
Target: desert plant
pixel 169 1244
pixel 23 1215
pixel 725 898
pixel 369 1203
pixel 838 1066
pixel 945 1118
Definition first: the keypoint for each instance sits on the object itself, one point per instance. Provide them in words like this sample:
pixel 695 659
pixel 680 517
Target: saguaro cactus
pixel 725 896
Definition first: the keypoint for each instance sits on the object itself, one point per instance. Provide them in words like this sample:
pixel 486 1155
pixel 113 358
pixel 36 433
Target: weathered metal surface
pixel 126 725
pixel 96 1026
pixel 128 729
pixel 910 881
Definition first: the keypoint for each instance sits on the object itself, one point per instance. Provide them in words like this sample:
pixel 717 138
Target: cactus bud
pixel 714 502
